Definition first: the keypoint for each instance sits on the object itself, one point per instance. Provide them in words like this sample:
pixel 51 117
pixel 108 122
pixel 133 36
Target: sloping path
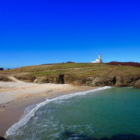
pixel 15 80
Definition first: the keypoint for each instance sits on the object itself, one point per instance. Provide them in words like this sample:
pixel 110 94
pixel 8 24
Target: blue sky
pixel 36 32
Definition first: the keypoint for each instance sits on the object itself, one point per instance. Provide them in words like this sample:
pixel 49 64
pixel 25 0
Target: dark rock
pixel 72 135
pixel 125 137
pixel 61 79
pixel 2 138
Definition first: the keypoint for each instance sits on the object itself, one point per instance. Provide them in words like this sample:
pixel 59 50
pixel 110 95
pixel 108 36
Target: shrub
pixel 134 64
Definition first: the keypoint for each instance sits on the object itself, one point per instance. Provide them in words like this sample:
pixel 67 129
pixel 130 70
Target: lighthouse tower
pixel 98 60
pixel 99 56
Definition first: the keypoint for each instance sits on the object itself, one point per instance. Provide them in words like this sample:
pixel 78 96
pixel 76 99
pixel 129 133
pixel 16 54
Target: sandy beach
pixel 17 95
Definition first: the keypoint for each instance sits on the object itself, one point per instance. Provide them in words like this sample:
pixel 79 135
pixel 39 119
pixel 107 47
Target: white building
pixel 98 60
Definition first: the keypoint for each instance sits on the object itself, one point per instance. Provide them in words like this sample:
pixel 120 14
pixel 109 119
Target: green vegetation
pixel 77 69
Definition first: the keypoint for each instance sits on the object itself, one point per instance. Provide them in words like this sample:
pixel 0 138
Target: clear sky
pixel 49 31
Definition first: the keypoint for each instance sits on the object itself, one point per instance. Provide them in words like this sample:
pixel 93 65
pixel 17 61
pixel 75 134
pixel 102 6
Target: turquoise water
pixel 98 114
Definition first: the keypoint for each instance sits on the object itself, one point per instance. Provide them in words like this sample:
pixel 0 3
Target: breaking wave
pixel 29 114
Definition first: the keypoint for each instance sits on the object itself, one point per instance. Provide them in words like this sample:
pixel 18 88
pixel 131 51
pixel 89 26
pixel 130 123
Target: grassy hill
pixel 78 71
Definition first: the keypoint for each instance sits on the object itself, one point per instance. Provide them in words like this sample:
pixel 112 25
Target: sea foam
pixel 23 121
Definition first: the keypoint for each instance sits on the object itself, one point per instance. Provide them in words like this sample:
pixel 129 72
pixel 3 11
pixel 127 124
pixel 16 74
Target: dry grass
pixel 77 69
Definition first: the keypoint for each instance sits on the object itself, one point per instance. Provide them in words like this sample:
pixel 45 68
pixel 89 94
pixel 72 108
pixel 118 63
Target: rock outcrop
pixel 137 84
pixel 126 81
pixel 5 79
pixel 117 81
pixel 45 79
pixel 26 78
pixel 104 81
pixel 110 80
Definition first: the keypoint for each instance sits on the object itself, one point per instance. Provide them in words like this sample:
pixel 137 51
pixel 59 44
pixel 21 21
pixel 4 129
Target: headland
pixel 26 86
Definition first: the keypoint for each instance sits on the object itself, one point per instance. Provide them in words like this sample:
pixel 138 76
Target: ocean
pixel 106 112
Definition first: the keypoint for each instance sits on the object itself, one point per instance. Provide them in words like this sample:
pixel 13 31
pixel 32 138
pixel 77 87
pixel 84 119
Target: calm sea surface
pixel 98 114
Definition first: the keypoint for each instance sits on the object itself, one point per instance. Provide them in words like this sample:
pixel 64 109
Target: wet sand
pixel 16 96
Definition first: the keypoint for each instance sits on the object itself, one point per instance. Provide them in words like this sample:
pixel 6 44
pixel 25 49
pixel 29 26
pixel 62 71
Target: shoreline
pixel 11 111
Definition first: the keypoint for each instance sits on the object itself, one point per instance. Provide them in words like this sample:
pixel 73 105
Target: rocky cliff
pixel 111 80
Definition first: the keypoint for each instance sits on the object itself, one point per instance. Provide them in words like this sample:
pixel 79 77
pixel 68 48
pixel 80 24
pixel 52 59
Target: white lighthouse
pixel 100 56
pixel 98 60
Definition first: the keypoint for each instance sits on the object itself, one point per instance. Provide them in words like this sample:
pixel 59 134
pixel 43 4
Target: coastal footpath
pixel 81 74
